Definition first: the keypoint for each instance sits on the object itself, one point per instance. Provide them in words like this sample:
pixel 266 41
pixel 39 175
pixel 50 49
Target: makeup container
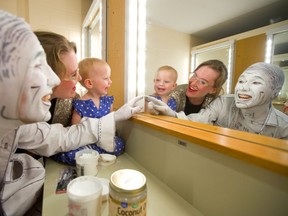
pixel 85 196
pixel 87 162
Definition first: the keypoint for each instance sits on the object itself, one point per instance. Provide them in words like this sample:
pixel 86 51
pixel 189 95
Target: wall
pixel 17 7
pixel 63 17
pixel 214 183
pixel 166 47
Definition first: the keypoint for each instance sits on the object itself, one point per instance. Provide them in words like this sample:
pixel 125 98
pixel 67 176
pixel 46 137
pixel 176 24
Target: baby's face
pixel 164 82
pixel 101 79
pixel 253 89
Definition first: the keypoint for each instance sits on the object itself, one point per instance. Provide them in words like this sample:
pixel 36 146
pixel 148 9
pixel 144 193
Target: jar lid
pixel 128 180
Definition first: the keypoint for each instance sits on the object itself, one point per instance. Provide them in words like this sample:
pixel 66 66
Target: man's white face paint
pixel 253 89
pixel 34 101
pixel 26 80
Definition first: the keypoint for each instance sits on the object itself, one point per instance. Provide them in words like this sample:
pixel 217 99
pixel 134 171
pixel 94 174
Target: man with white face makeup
pixel 250 109
pixel 26 83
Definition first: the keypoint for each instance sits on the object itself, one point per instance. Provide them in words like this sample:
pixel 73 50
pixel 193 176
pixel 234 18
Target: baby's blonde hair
pixel 86 65
pixel 170 69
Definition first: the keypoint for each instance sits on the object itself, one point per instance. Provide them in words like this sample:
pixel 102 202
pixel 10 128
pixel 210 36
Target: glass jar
pixel 127 193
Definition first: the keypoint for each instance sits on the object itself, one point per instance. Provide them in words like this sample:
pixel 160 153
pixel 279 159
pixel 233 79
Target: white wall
pixel 166 47
pixel 63 17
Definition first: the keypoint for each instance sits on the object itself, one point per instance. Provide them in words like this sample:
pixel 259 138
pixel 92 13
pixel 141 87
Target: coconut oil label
pixel 117 208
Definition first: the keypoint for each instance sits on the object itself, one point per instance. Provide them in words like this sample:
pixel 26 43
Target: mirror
pixel 161 46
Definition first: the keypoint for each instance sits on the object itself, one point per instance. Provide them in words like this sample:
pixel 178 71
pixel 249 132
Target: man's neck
pixel 256 114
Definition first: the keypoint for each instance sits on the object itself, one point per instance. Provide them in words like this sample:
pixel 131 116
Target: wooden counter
pixel 262 151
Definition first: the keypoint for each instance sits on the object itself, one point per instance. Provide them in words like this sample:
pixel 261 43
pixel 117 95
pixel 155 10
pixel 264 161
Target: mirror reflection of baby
pixel 95 103
pixel 165 81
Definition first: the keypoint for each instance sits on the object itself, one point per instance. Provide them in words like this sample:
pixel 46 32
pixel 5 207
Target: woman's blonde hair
pixel 54 46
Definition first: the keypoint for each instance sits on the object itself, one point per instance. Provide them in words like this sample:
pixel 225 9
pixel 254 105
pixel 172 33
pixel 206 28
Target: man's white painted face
pixel 253 89
pixel 34 99
pixel 34 102
pixel 26 80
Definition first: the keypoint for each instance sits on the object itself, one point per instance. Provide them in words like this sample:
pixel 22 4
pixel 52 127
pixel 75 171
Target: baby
pixel 165 82
pixel 95 103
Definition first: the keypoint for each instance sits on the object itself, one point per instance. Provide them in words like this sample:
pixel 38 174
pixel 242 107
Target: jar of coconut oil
pixel 127 193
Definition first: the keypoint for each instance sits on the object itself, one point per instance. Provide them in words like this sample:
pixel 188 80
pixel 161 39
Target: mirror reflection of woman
pixel 205 84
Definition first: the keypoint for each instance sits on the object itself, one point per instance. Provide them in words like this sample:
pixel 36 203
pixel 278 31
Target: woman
pixel 61 56
pixel 205 84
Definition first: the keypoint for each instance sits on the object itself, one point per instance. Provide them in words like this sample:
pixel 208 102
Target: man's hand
pixel 127 110
pixel 156 107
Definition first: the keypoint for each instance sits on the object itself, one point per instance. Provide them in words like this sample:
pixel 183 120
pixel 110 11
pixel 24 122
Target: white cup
pixel 85 196
pixel 87 162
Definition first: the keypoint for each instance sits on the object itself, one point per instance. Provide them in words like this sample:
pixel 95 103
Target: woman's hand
pixel 156 107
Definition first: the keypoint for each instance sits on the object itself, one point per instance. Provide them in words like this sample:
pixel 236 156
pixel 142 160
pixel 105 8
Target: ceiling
pixel 215 19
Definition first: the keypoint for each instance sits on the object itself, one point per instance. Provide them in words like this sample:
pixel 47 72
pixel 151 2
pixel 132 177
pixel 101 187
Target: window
pixel 94 31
